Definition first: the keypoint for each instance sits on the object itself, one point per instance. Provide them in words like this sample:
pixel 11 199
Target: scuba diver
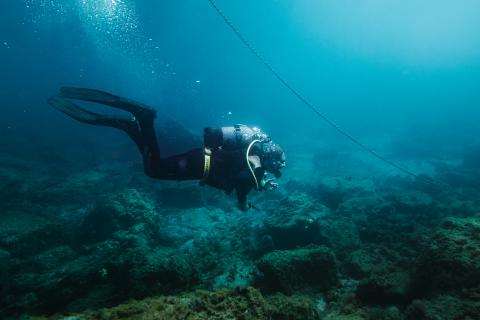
pixel 236 158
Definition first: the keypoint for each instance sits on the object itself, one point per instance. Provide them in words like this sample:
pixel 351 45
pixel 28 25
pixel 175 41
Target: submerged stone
pixel 444 307
pixel 450 260
pixel 119 211
pixel 386 288
pixel 293 270
pixel 26 234
pixel 294 222
pixel 240 303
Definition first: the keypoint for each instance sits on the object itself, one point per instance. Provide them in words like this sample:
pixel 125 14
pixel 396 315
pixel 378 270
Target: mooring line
pixel 307 103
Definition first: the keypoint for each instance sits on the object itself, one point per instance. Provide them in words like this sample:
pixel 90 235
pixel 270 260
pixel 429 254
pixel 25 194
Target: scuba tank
pixel 237 137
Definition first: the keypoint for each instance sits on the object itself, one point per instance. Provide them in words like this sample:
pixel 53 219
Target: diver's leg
pixel 140 128
pixel 185 166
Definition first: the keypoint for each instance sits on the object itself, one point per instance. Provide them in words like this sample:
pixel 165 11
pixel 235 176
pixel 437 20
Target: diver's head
pixel 273 158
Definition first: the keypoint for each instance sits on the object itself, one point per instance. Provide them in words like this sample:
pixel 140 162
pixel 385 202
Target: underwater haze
pixel 377 213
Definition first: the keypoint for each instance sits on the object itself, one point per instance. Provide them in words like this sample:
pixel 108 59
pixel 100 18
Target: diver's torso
pixel 228 169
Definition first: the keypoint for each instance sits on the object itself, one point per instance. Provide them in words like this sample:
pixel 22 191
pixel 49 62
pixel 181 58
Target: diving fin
pixel 88 95
pixel 72 110
pixel 138 109
pixel 80 114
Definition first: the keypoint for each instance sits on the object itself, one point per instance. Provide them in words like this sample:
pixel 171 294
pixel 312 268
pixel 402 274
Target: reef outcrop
pixel 313 268
pixel 120 246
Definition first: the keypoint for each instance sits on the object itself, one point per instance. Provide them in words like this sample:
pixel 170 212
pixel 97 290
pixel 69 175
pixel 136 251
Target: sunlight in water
pixel 115 19
pixel 112 26
pixel 426 32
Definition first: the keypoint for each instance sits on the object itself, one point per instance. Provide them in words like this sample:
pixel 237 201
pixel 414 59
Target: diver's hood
pixel 273 158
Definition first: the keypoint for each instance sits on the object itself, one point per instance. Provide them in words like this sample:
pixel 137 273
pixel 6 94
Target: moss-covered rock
pixel 338 233
pixel 450 260
pixel 385 288
pixel 240 303
pixel 24 234
pixel 119 211
pixel 292 222
pixel 444 307
pixel 293 270
pixel 361 263
pixel 103 274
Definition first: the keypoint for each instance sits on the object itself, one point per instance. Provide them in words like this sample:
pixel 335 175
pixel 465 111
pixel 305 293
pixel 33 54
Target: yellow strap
pixel 207 163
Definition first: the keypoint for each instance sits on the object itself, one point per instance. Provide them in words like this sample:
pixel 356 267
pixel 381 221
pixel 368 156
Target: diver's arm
pixel 258 171
pixel 269 184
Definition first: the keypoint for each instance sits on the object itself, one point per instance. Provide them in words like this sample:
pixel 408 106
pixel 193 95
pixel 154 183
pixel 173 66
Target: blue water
pixel 378 69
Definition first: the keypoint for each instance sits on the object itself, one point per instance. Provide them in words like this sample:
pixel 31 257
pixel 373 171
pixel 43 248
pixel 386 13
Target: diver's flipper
pixel 125 123
pixel 72 110
pixel 138 109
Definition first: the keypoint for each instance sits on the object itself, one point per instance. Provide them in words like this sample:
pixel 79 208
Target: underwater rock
pixel 108 272
pixel 184 196
pixel 52 258
pixel 385 288
pixel 444 307
pixel 466 178
pixel 412 202
pixel 340 316
pixel 193 224
pixel 333 191
pixel 142 270
pixel 361 207
pixel 47 291
pixel 314 267
pixel 25 234
pixel 262 245
pixel 292 223
pixel 72 188
pixel 293 307
pixel 237 274
pixel 338 233
pixel 450 260
pixel 362 262
pixel 129 209
pixel 240 303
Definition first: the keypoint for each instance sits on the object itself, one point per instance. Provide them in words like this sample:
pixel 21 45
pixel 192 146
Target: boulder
pixel 450 259
pixel 338 233
pixel 107 272
pixel 292 222
pixel 361 263
pixel 443 307
pixel 385 288
pixel 239 303
pixel 128 210
pixel 292 270
pixel 333 191
pixel 25 234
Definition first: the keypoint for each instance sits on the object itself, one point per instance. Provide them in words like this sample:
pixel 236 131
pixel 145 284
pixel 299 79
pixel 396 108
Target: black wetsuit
pixel 228 171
